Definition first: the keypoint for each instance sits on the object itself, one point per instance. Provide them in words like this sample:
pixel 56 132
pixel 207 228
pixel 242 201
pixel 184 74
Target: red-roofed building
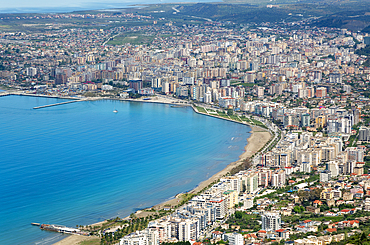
pixel 345 211
pixel 345 224
pixel 317 202
pixel 250 236
pixel 284 234
pixel 359 194
pixel 307 223
pixel 331 230
pixel 261 233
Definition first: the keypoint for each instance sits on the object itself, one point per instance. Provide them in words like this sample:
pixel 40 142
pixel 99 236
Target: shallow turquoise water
pixel 80 163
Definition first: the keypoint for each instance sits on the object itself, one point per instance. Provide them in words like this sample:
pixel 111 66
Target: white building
pixel 305 167
pixel 271 221
pixel 325 176
pixel 137 238
pixel 236 239
pixel 250 182
pixel 106 87
pixel 234 183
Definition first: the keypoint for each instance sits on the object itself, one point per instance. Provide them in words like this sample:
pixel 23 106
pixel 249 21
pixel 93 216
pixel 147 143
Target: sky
pixel 70 5
pixel 48 3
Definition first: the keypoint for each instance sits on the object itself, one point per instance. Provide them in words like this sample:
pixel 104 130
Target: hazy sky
pixel 63 3
pixel 13 5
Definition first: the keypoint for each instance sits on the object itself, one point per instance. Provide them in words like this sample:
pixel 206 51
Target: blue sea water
pixel 80 163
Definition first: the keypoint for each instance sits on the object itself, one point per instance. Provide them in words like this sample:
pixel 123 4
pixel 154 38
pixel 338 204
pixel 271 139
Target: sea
pixel 81 163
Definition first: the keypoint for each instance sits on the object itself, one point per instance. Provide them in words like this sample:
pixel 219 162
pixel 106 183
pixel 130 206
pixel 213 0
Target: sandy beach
pixel 76 239
pixel 257 140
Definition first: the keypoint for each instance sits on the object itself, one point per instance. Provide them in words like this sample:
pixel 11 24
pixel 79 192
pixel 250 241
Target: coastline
pixel 258 138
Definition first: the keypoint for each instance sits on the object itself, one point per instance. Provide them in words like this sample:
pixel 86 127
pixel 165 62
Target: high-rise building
pixel 335 78
pixel 355 154
pixel 356 116
pixel 31 71
pixel 233 181
pixel 231 197
pixel 188 80
pixel 347 88
pixel 333 168
pixel 166 87
pixel 278 179
pixel 305 167
pixel 321 92
pixel 317 75
pixel 305 120
pixel 260 92
pixel 156 83
pixel 271 221
pixel 250 182
pixel 325 176
pixel 364 134
pixel 225 83
pixel 136 84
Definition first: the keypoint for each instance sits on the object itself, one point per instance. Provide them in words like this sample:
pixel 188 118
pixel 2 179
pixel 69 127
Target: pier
pixel 63 229
pixel 61 103
pixel 72 99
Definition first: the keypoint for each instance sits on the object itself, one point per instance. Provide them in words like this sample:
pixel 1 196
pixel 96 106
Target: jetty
pixel 61 103
pixel 63 229
pixel 72 99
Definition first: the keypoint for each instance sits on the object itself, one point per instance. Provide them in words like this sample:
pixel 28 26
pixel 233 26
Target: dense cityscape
pixel 307 86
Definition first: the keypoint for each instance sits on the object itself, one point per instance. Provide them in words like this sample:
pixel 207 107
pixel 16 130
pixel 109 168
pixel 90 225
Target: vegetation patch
pixel 133 38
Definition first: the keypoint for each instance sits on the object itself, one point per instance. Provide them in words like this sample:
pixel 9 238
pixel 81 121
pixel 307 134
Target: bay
pixel 80 163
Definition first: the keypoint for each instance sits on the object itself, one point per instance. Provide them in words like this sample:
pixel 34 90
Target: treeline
pixel 127 228
pixel 363 51
pixel 243 166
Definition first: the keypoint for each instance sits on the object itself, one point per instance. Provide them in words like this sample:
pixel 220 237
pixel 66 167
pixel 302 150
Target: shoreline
pixel 258 138
pixel 249 150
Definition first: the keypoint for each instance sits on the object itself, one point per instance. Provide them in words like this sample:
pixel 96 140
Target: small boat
pixel 36 224
pixel 115 111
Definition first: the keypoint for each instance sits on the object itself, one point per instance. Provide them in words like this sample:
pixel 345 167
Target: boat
pixel 36 224
pixel 115 111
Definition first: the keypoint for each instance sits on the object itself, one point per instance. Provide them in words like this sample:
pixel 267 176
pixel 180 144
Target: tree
pixel 298 209
pixel 238 215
